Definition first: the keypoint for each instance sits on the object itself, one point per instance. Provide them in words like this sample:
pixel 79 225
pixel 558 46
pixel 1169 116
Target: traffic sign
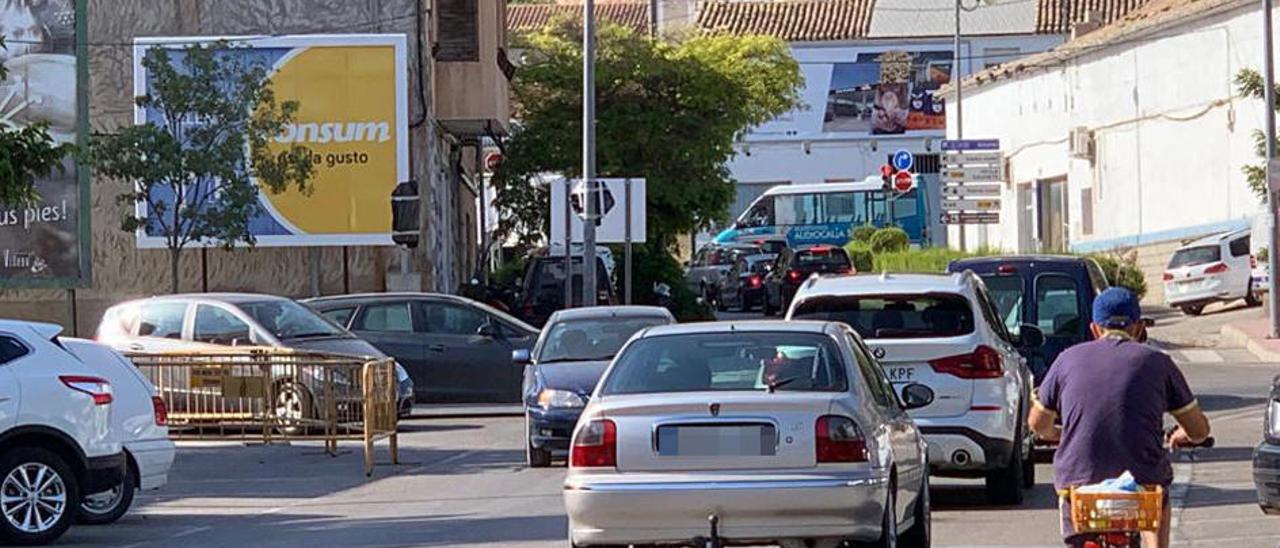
pixel 973 158
pixel 972 144
pixel 903 160
pixel 986 218
pixel 611 226
pixel 971 190
pixel 970 205
pixel 604 204
pixel 904 181
pixel 978 174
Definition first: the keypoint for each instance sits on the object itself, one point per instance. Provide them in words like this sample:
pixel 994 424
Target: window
pixel 591 339
pixel 822 256
pixel 340 316
pixel 452 319
pixel 11 349
pixel 872 374
pixel 1006 296
pixel 1239 247
pixel 915 316
pixel 1192 256
pixel 385 318
pixel 217 326
pixel 458 31
pixel 989 312
pixel 286 319
pixel 162 320
pixel 1058 306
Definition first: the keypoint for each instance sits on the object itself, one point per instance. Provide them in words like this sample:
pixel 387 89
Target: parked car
pixel 1062 290
pixel 563 367
pixel 542 291
pixel 211 320
pixel 1266 458
pixel 748 433
pixel 454 349
pixel 942 331
pixel 1213 269
pixel 702 275
pixel 139 419
pixel 742 287
pixel 795 265
pixel 56 439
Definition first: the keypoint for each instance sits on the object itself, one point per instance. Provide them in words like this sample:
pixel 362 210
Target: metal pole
pixel 626 267
pixel 653 27
pixel 958 78
pixel 484 213
pixel 72 313
pixel 589 152
pixel 568 244
pixel 1273 198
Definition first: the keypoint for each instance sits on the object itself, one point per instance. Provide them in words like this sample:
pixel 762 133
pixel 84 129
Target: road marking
pixel 1201 356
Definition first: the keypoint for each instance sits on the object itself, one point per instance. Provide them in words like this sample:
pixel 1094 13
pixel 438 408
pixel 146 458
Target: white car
pixel 139 421
pixel 56 439
pixel 943 331
pixel 1212 269
pixel 741 433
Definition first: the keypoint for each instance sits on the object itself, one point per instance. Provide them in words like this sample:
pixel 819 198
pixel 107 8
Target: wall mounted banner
pixel 353 116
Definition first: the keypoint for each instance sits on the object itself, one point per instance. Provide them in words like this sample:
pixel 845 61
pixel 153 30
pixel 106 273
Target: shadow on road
pixel 425 426
pixel 1227 402
pixel 967 498
pixel 1203 496
pixel 1220 454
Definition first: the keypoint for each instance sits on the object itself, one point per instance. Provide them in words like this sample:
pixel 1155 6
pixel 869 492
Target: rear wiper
pixel 774 385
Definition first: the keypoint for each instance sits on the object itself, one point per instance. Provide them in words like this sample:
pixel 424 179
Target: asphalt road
pixel 462 483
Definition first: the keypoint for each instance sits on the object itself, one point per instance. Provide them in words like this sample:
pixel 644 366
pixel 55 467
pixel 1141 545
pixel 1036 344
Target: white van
pixel 1212 269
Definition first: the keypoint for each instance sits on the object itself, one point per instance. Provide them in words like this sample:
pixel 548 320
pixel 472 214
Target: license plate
pixel 900 374
pixel 712 440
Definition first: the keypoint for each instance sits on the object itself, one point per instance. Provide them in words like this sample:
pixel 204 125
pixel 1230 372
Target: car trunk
pixel 751 431
pixel 906 361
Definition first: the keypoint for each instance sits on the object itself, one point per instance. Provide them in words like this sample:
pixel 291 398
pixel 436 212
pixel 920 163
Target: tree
pixel 1249 84
pixel 189 167
pixel 26 153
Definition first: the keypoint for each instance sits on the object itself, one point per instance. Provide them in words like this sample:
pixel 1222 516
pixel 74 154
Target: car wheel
pixel 293 404
pixel 108 506
pixel 1004 486
pixel 37 496
pixel 1192 309
pixel 921 533
pixel 889 526
pixel 533 456
pixel 1251 297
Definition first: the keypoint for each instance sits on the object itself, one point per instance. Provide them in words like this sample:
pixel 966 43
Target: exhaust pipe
pixel 961 458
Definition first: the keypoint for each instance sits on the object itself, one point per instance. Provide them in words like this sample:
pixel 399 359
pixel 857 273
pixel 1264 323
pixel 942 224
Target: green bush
pixel 651 264
pixel 863 233
pixel 1122 272
pixel 889 239
pixel 925 260
pixel 860 255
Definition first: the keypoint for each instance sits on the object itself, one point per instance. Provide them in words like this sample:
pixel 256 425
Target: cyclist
pixel 1111 395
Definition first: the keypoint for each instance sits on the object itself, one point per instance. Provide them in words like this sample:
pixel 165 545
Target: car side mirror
pixel 521 357
pixel 916 395
pixel 487 330
pixel 1030 336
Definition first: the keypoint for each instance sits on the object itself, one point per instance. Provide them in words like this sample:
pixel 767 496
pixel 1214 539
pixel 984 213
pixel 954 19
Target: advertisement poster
pixel 353 116
pixel 41 244
pixel 857 101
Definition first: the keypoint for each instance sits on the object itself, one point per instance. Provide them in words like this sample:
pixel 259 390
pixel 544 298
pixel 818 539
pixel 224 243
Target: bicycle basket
pixel 1120 512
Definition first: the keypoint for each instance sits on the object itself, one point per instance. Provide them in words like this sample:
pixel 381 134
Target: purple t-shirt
pixel 1111 396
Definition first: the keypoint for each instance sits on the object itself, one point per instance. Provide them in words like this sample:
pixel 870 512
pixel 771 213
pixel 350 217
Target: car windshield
pixel 1193 256
pixel 893 316
pixel 742 361
pixel 1006 292
pixel 594 339
pixel 289 320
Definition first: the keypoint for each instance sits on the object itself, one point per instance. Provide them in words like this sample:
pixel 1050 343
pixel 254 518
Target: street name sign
pixel 985 218
pixel 971 205
pixel 983 174
pixel 973 158
pixel 971 144
pixel 971 191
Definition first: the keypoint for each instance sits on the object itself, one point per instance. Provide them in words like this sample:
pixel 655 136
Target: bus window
pixel 759 214
pixel 905 205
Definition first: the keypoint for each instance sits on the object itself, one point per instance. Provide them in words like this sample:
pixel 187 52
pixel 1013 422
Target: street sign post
pixel 903 160
pixel 1273 175
pixel 904 181
pixel 965 174
pixel 971 190
pixel 611 226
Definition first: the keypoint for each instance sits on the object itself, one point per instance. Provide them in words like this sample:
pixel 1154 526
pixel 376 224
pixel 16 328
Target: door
pixel 1057 311
pixel 903 435
pixel 1053 215
pixel 1240 271
pixel 390 327
pixel 160 328
pixel 468 353
pixel 10 390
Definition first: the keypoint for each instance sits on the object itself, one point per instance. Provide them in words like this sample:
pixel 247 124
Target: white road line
pixel 1201 356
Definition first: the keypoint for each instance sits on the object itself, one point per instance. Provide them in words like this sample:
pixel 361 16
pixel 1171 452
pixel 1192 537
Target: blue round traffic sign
pixel 903 160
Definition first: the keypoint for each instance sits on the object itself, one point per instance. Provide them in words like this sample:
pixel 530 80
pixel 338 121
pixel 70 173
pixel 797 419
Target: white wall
pixel 1170 136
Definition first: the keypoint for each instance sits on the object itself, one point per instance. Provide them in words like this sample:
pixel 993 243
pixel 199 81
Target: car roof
pixel 42 329
pixel 858 284
pixel 749 326
pixel 228 298
pixel 597 312
pixel 361 298
pixel 1215 239
pixel 1020 259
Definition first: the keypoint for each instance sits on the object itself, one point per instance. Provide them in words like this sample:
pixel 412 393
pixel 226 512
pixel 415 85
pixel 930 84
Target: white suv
pixel 56 439
pixel 942 331
pixel 1211 269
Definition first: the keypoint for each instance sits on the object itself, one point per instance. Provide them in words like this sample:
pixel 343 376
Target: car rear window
pixel 743 361
pixel 826 256
pixel 918 316
pixel 1193 256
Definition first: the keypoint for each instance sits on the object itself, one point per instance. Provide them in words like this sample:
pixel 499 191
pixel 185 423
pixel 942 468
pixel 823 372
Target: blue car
pixel 561 371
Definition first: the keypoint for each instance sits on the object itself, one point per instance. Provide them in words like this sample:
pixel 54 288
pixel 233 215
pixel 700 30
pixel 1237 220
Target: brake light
pixel 754 280
pixel 98 389
pixel 1007 269
pixel 794 275
pixel 595 445
pixel 161 411
pixel 982 363
pixel 839 440
pixel 1216 269
pixel 1168 276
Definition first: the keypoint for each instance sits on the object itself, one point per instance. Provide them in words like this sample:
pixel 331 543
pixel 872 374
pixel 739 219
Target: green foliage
pixel 1122 271
pixel 889 239
pixel 653 265
pixel 510 274
pixel 928 260
pixel 861 256
pixel 1249 83
pixel 1262 254
pixel 26 154
pixel 213 109
pixel 863 233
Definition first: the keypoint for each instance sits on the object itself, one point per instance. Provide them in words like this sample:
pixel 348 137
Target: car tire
pixel 533 456
pixel 1004 485
pixel 109 506
pixel 1251 297
pixel 293 402
pixel 889 525
pixel 1192 309
pixel 63 483
pixel 920 535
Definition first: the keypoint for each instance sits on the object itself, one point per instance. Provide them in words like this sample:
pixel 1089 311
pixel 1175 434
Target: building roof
pixel 1057 16
pixel 531 17
pixel 932 18
pixel 793 21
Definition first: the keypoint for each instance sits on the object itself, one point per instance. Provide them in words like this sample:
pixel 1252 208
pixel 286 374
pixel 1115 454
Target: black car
pixel 793 266
pixel 455 349
pixel 542 292
pixel 562 369
pixel 742 287
pixel 1266 458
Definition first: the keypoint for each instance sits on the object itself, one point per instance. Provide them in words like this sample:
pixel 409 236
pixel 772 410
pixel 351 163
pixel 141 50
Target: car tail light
pixel 161 411
pixel 1216 269
pixel 794 275
pixel 982 363
pixel 595 445
pixel 839 440
pixel 754 280
pixel 1007 269
pixel 1168 276
pixel 98 389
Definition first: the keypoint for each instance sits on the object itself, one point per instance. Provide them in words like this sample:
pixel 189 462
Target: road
pixel 462 483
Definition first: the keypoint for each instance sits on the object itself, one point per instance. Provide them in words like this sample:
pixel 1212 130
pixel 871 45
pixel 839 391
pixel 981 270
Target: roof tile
pixel 793 21
pixel 1058 16
pixel 531 17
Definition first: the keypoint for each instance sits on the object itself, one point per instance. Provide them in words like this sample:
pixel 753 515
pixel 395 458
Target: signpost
pixel 904 181
pixel 903 160
pixel 971 174
pixel 620 217
pixel 971 205
pixel 966 145
pixel 971 190
pixel 971 183
pixel 957 218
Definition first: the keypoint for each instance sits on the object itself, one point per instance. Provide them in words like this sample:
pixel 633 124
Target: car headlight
pixel 550 398
pixel 1272 428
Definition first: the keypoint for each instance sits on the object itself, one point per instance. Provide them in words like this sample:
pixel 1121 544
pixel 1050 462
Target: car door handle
pixel 136 346
pixel 436 348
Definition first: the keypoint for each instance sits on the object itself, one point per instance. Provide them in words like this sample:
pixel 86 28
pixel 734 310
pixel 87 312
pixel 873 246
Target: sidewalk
pixel 1251 334
pixel 465 410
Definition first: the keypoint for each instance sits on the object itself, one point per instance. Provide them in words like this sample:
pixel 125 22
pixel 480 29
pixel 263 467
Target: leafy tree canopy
pixel 26 154
pixel 1249 83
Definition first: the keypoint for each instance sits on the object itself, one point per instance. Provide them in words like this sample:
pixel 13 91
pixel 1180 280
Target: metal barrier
pixel 269 394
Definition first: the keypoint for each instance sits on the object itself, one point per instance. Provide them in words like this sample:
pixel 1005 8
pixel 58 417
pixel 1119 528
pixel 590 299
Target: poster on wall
pixel 858 101
pixel 353 116
pixel 44 244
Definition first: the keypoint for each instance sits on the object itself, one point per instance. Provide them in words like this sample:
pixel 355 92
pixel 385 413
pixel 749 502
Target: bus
pixel 827 213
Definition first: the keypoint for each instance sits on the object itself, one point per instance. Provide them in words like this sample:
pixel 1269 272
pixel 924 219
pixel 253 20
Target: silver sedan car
pixel 748 433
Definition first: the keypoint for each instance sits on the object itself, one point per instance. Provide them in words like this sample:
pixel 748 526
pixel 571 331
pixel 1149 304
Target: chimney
pixel 1092 21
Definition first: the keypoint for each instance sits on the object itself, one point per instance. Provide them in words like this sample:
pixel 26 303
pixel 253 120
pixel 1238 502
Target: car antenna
pixel 884 275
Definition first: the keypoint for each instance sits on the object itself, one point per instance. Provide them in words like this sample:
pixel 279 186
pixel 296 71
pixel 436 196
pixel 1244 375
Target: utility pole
pixel 958 78
pixel 1269 98
pixel 589 153
pixel 653 19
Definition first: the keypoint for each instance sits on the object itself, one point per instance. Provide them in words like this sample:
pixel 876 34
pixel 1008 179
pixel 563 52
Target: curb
pixel 1237 337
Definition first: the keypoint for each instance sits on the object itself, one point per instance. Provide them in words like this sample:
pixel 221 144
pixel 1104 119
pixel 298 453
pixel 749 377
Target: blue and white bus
pixel 827 213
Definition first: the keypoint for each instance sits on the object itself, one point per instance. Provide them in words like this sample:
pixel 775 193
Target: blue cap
pixel 1116 308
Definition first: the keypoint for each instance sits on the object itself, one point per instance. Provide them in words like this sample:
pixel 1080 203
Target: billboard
pixel 353 116
pixel 858 102
pixel 46 244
